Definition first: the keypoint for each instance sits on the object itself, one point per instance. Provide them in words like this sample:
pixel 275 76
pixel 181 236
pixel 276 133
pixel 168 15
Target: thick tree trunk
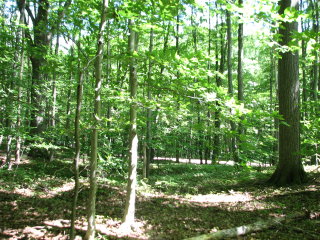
pixel 39 48
pixel 91 206
pixel 39 44
pixel 129 213
pixel 289 169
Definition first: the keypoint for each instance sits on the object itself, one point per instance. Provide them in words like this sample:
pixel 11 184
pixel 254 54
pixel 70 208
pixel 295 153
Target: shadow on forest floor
pixel 178 201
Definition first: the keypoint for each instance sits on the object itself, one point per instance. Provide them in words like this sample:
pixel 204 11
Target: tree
pixel 39 43
pixel 129 212
pixel 21 70
pixel 233 147
pixel 240 73
pixel 77 148
pixel 289 169
pixel 91 207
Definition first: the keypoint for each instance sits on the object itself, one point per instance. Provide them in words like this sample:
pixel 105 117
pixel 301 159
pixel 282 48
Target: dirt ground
pixel 36 198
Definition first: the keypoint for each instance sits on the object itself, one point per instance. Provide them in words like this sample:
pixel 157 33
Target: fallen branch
pixel 254 227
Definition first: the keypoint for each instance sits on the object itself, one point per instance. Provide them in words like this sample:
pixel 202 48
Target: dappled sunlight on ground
pixel 68 186
pixel 42 191
pixel 178 201
pixel 104 226
pixel 222 198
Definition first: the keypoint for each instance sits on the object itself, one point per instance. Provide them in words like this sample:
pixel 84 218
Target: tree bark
pixel 129 212
pixel 240 80
pixel 149 111
pixel 39 45
pixel 77 152
pixel 315 67
pixel 233 147
pixel 289 169
pixel 21 8
pixel 91 207
pixel 219 67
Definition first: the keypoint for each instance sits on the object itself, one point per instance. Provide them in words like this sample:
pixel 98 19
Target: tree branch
pixel 254 227
pixel 30 13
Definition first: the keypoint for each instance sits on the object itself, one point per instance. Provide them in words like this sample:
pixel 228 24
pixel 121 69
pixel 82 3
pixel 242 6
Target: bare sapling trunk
pixel 91 206
pixel 129 212
pixel 20 79
pixel 77 153
pixel 149 112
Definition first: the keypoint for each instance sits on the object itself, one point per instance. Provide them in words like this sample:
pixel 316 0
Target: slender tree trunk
pixel 304 78
pixel 230 83
pixel 177 144
pixel 240 78
pixel 229 53
pixel 9 149
pixel 289 169
pixel 208 130
pixel 149 111
pixel 21 71
pixel 220 68
pixel 12 82
pixel 129 213
pixel 54 94
pixel 315 67
pixel 273 127
pixel 68 110
pixel 91 207
pixel 77 152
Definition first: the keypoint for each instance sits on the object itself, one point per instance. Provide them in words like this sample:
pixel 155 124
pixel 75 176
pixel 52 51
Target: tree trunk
pixel 54 94
pixel 38 46
pixel 273 106
pixel 77 152
pixel 240 78
pixel 68 110
pixel 289 169
pixel 177 144
pixel 129 213
pixel 315 67
pixel 219 67
pixel 91 206
pixel 149 111
pixel 230 83
pixel 21 70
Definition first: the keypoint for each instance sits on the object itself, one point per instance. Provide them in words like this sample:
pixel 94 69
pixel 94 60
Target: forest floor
pixel 177 202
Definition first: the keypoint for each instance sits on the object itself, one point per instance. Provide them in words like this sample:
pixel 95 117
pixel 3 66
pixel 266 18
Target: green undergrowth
pixel 167 178
pixel 37 174
pixel 179 178
pixel 177 200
